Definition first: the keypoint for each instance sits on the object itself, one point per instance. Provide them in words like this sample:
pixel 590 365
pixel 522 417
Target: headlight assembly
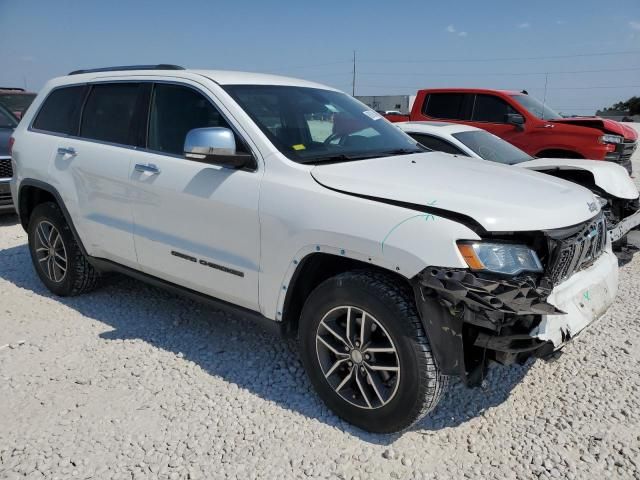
pixel 503 258
pixel 608 138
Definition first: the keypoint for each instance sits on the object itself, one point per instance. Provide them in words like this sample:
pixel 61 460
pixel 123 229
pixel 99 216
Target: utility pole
pixel 353 81
pixel 544 98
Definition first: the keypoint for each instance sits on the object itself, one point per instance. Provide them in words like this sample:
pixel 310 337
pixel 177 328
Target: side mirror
pixel 214 145
pixel 515 119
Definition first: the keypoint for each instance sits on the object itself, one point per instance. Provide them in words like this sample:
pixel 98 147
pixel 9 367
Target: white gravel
pixel 130 382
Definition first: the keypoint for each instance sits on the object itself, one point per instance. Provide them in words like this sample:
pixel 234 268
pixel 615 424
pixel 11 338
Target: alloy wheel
pixel 51 252
pixel 358 357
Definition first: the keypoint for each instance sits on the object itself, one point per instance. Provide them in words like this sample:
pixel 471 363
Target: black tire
pixel 392 305
pixel 79 276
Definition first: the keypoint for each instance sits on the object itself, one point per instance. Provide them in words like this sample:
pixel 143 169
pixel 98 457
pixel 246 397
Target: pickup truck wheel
pixel 55 254
pixel 366 353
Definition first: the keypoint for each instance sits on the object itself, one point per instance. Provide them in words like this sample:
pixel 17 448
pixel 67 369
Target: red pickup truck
pixel 527 123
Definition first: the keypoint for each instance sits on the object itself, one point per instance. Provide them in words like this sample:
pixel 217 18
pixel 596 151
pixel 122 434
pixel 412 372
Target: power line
pixel 468 60
pixel 528 88
pixel 497 73
pixel 501 59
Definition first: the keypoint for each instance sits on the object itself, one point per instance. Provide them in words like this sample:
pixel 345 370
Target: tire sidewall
pixel 334 293
pixel 51 213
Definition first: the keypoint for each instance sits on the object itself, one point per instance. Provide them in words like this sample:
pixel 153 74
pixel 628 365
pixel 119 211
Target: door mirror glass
pixel 214 145
pixel 515 119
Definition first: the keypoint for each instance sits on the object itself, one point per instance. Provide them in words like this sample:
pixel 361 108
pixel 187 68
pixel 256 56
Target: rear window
pixel 60 112
pixel 7 120
pixel 454 106
pixel 108 113
pixel 17 102
pixel 436 144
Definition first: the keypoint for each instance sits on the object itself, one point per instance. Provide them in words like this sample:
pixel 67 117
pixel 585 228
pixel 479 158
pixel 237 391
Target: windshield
pixel 7 120
pixel 17 102
pixel 311 125
pixel 489 147
pixel 536 107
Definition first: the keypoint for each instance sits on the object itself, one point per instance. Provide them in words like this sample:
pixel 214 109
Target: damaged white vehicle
pixel 611 183
pixel 297 205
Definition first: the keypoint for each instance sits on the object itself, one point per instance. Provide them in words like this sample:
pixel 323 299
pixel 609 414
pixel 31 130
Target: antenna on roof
pixel 524 92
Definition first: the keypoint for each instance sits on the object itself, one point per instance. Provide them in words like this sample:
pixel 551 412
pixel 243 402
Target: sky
pixel 586 52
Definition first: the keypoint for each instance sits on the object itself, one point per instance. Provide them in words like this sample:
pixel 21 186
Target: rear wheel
pixel 366 353
pixel 55 254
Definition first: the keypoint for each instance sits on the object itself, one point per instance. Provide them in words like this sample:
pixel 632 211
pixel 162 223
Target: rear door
pixel 450 106
pixel 91 164
pixel 196 224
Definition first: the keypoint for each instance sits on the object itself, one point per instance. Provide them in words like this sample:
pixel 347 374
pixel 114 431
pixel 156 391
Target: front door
pixel 196 224
pixel 490 113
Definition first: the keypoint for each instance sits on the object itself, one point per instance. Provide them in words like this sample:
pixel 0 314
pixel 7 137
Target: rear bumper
pixel 6 202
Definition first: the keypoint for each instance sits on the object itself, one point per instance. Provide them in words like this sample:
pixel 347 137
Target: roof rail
pixel 160 66
pixel 17 89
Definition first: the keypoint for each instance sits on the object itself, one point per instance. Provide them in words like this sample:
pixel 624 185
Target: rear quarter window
pixel 60 112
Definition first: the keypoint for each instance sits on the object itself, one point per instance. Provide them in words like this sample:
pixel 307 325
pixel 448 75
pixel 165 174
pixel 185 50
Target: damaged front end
pixel 474 317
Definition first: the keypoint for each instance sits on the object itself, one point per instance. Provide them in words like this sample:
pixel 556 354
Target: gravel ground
pixel 131 382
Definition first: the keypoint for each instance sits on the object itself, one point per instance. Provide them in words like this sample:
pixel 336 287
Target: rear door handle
pixel 67 151
pixel 147 167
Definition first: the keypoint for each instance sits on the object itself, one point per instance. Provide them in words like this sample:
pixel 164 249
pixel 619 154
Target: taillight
pixel 11 142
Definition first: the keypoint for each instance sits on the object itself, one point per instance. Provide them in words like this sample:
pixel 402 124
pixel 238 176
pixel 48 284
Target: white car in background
pixel 610 182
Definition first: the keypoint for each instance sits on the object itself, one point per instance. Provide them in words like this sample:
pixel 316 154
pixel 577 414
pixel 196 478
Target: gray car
pixel 8 123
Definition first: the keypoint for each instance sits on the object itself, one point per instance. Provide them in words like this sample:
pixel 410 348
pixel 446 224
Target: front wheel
pixel 366 353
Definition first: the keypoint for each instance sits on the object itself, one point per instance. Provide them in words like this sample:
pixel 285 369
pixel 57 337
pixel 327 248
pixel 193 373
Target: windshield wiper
pixel 342 157
pixel 402 151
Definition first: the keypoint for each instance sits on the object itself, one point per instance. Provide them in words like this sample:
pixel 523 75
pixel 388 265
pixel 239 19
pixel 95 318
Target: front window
pixel 311 125
pixel 489 147
pixel 536 107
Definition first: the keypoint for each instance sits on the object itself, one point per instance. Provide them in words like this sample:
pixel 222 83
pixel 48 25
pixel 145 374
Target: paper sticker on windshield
pixel 299 146
pixel 372 114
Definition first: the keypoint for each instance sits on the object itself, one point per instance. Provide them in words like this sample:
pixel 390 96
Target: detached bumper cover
pixel 585 296
pixel 619 230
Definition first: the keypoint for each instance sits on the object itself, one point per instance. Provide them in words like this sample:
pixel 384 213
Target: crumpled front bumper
pixel 471 320
pixel 585 296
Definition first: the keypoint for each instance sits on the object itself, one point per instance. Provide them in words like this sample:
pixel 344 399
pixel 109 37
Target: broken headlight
pixel 503 258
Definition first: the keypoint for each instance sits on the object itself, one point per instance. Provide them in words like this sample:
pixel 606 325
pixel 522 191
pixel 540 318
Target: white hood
pixel 499 197
pixel 610 177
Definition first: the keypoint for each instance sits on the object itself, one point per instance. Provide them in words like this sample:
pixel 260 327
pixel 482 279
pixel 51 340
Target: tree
pixel 632 106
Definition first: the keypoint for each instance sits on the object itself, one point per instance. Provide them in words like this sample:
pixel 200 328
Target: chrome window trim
pixel 30 128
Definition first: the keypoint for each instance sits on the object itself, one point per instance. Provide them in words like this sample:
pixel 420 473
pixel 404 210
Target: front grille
pixel 5 199
pixel 5 168
pixel 627 150
pixel 578 251
pixel 622 155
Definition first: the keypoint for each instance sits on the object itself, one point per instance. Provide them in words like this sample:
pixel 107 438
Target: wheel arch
pixel 33 192
pixel 311 271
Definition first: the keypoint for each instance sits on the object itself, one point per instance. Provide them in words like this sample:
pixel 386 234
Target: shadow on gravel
pixel 8 219
pixel 236 350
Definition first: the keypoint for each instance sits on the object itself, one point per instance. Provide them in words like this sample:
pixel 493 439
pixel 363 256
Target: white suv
pixel 296 204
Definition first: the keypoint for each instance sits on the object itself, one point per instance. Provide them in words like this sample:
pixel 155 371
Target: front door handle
pixel 67 151
pixel 147 167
